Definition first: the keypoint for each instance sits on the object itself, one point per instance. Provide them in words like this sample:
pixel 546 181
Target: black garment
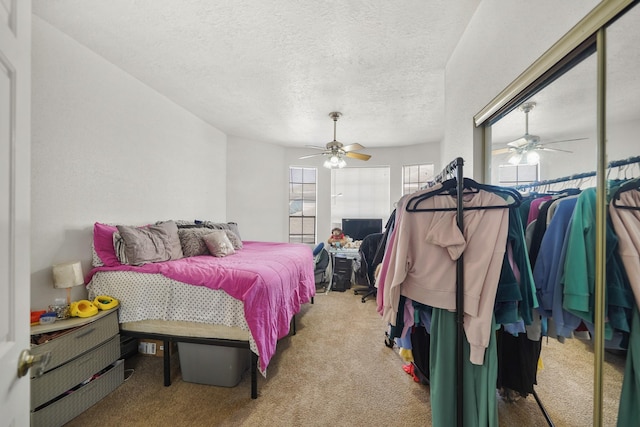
pixel 538 231
pixel 364 274
pixel 388 228
pixel 517 362
pixel 420 343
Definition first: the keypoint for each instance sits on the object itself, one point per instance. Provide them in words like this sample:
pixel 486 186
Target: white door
pixel 15 143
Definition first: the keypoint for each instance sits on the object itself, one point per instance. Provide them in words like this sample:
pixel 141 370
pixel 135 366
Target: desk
pixel 349 253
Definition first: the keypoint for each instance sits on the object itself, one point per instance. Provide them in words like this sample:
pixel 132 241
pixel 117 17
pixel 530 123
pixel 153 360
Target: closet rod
pixel 448 170
pixel 613 164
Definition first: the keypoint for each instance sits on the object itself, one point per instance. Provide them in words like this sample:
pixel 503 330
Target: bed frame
pixel 196 333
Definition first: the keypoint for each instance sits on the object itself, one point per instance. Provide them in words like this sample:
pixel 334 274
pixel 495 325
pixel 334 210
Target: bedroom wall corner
pixel 107 148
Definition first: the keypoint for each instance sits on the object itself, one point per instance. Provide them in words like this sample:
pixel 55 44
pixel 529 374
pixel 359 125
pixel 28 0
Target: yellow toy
pixel 104 302
pixel 83 308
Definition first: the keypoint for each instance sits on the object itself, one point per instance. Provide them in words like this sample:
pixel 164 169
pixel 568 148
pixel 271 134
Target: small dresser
pixel 84 366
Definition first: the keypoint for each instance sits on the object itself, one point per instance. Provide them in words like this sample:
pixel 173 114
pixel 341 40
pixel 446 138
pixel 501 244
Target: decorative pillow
pixel 154 243
pixel 103 243
pixel 234 239
pixel 218 243
pixel 191 241
pixel 234 227
pixel 119 247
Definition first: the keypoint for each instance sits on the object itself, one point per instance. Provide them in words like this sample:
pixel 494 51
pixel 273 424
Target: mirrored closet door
pixel 546 143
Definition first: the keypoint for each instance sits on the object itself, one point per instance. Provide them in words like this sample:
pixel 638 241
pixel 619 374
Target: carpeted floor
pixel 336 371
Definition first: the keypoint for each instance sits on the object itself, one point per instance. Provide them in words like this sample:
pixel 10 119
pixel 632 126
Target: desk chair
pixel 321 262
pixel 366 273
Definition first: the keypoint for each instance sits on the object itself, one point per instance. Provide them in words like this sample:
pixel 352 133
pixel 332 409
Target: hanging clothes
pixel 423 259
pixel 579 278
pixel 517 354
pixel 626 222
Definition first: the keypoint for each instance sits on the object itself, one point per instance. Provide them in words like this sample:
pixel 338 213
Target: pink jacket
pixel 626 223
pixel 422 260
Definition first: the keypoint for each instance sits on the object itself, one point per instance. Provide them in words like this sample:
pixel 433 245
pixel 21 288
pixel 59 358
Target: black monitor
pixel 359 228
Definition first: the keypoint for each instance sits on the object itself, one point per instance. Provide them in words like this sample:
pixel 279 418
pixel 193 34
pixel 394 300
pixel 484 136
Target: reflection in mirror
pixel 622 132
pixel 552 134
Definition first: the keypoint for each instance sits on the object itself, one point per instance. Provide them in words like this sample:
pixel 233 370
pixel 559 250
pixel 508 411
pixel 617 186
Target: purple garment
pixel 534 208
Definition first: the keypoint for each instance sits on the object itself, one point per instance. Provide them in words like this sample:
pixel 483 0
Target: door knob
pixel 37 362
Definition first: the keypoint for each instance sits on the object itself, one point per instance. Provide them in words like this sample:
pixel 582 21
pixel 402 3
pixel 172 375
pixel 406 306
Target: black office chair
pixel 365 274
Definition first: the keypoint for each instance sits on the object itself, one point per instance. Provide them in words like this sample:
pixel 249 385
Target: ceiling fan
pixel 528 145
pixel 336 150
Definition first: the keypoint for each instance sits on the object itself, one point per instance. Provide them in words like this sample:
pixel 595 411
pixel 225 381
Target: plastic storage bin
pixel 212 365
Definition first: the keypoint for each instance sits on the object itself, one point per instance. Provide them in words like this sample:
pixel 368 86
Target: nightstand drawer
pixel 68 407
pixel 343 265
pixel 59 380
pixel 79 340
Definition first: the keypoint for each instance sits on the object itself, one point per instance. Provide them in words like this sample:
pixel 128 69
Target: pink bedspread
pixel 272 280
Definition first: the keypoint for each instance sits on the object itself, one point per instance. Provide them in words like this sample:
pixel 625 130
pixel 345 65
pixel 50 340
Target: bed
pixel 246 299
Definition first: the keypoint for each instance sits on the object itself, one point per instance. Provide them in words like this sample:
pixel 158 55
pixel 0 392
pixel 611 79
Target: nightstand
pixel 84 366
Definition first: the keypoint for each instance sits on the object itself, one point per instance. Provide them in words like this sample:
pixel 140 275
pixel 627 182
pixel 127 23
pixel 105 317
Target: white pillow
pixel 218 243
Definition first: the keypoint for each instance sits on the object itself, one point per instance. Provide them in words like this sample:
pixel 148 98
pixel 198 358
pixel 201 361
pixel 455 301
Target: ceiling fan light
pixel 533 158
pixel 327 164
pixel 341 163
pixel 515 158
pixel 334 160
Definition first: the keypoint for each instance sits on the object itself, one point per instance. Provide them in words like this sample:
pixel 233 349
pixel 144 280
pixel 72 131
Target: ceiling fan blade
pixel 553 149
pixel 315 147
pixel 502 151
pixel 520 142
pixel 358 156
pixel 311 155
pixel 352 147
pixel 564 140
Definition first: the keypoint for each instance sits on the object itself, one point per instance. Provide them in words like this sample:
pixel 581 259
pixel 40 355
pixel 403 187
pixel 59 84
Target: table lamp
pixel 66 276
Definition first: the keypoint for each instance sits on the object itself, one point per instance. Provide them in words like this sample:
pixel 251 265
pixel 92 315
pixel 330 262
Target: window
pixel 414 177
pixel 360 193
pixel 302 205
pixel 512 175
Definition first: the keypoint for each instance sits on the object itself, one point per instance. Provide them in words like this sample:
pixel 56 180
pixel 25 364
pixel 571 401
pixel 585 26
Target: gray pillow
pixel 154 243
pixel 120 247
pixel 193 245
pixel 218 243
pixel 191 241
pixel 234 239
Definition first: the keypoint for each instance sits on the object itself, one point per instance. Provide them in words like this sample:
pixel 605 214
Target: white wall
pixel 108 148
pixel 501 41
pixel 257 189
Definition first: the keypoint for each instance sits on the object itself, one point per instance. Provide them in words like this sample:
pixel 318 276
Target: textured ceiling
pixel 273 70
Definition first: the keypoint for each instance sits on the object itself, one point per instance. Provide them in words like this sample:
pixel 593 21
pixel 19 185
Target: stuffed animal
pixel 337 238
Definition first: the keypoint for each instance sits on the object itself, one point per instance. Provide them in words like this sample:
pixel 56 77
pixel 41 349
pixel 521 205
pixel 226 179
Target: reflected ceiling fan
pixel 336 150
pixel 528 145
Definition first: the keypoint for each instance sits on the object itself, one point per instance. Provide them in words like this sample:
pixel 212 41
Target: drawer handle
pixel 84 334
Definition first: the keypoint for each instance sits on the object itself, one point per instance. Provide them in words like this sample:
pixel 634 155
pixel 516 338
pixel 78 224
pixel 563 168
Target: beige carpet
pixel 336 371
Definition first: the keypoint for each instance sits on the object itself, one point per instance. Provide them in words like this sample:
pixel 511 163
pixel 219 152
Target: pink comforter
pixel 272 280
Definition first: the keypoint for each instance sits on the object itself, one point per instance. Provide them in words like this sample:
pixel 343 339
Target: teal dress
pixel 629 409
pixel 480 406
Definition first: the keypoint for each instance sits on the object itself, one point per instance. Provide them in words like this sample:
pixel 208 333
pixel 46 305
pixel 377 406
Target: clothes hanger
pixel 630 185
pixel 449 187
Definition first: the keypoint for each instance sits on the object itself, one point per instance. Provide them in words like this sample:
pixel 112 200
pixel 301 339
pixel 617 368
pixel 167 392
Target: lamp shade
pixel 67 275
